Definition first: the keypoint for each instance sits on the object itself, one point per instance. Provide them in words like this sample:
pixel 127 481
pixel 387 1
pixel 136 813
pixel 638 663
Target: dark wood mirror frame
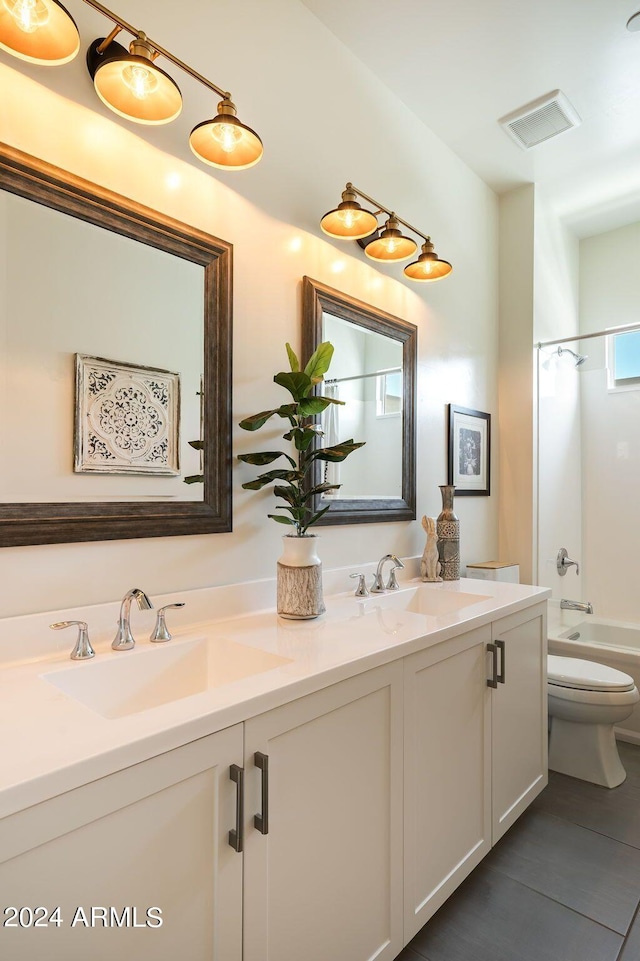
pixel 317 299
pixel 50 523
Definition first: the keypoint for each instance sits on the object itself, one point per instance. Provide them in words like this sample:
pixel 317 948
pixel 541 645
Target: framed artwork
pixel 469 451
pixel 126 419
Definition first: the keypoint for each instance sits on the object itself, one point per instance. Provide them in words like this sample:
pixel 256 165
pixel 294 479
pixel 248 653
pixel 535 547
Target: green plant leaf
pixel 319 362
pixel 336 453
pixel 196 444
pixel 257 420
pixel 293 360
pixel 281 519
pixel 315 517
pixel 289 494
pixel 320 489
pixel 272 475
pixel 302 437
pixel 295 381
pixel 265 457
pixel 194 479
pixel 312 405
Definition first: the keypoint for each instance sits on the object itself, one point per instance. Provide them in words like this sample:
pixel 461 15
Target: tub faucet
pixel 392 585
pixel 585 606
pixel 123 640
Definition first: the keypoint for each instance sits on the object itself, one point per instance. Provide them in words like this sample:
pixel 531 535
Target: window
pixel 623 360
pixel 389 394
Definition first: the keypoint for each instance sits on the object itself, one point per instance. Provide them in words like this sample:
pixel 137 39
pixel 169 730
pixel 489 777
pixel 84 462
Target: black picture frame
pixel 469 460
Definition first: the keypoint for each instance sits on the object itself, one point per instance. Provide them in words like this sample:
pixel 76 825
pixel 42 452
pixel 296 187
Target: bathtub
pixel 593 638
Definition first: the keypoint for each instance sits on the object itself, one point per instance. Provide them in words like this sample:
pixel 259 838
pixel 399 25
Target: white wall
pixel 324 119
pixel 558 474
pixel 517 222
pixel 609 297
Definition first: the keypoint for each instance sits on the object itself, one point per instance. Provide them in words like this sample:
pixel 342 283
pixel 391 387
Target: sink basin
pixel 432 601
pixel 124 684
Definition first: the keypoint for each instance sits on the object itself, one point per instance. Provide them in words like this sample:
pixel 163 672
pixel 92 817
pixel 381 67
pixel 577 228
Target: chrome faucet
pixel 123 640
pixel 585 606
pixel 378 586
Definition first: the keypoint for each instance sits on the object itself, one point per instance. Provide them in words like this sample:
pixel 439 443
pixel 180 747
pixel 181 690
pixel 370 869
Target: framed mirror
pixel 115 370
pixel 374 372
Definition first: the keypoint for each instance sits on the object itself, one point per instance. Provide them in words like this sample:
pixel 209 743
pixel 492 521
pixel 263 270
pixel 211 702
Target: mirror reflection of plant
pixel 303 432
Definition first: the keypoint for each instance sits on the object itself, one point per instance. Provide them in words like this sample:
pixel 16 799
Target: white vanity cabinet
pixel 357 810
pixel 447 764
pixel 519 715
pixel 154 835
pixel 475 755
pixel 325 879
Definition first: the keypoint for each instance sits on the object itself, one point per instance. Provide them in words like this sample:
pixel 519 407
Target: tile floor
pixel 562 885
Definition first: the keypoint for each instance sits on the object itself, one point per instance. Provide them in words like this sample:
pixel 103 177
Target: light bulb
pixel 347 217
pixel 140 81
pixel 391 244
pixel 29 15
pixel 228 135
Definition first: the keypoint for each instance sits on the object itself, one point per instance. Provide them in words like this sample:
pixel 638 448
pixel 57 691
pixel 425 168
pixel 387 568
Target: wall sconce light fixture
pixel 128 80
pixel 40 31
pixel 349 221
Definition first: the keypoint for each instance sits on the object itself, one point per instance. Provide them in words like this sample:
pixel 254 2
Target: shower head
pixel 578 358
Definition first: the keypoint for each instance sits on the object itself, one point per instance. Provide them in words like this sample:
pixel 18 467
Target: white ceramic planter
pixel 300 578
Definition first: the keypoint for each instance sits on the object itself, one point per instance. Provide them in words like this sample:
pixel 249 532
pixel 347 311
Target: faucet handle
pixel 160 631
pixel 564 562
pixel 392 583
pixel 83 649
pixel 361 589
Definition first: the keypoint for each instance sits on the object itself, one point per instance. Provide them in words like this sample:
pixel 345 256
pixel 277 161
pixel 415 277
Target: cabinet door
pixel 325 882
pixel 519 716
pixel 154 835
pixel 447 759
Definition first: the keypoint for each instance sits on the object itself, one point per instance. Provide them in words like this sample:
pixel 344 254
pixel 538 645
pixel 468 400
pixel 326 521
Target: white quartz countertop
pixel 51 742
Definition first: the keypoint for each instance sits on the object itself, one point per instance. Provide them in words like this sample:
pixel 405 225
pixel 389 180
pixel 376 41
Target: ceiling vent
pixel 540 120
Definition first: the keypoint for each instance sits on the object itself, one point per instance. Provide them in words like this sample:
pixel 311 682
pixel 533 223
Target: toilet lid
pixel 586 675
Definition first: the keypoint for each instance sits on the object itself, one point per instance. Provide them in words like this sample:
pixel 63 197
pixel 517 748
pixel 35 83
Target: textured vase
pixel 448 530
pixel 300 578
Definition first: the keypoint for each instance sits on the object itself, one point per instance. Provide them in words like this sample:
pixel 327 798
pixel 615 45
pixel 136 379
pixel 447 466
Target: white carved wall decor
pixel 127 418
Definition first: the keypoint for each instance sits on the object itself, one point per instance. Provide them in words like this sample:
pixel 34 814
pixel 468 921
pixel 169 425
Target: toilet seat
pixel 574 674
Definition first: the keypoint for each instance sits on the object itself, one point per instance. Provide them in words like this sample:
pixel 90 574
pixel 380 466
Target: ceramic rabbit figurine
pixel 430 565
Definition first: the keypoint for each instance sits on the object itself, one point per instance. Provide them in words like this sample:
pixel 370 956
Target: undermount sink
pixel 126 683
pixel 432 601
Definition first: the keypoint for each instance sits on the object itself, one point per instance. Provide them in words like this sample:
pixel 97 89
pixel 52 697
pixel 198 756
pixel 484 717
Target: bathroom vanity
pixel 321 807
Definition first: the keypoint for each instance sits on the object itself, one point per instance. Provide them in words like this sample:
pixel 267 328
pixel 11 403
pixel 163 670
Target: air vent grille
pixel 540 120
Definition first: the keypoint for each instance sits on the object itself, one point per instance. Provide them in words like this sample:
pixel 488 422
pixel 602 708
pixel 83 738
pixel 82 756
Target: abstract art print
pixel 126 418
pixel 469 451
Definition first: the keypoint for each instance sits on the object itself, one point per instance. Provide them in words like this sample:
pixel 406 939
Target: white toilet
pixel 585 701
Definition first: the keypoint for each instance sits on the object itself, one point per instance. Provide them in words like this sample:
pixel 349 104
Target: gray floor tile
pixel 591 873
pixel 631 950
pixel 613 813
pixel 493 918
pixel 409 955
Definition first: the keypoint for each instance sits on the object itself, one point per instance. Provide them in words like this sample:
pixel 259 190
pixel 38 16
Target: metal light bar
pixel 381 207
pixel 123 25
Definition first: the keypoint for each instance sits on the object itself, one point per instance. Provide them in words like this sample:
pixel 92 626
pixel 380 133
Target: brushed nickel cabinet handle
pixel 236 835
pixel 261 821
pixel 493 680
pixel 501 676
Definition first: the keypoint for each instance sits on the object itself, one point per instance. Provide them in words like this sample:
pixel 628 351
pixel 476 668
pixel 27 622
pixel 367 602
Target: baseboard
pixel 632 737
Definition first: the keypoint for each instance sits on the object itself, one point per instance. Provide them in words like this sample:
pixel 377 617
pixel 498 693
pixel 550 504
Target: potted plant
pixel 299 569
